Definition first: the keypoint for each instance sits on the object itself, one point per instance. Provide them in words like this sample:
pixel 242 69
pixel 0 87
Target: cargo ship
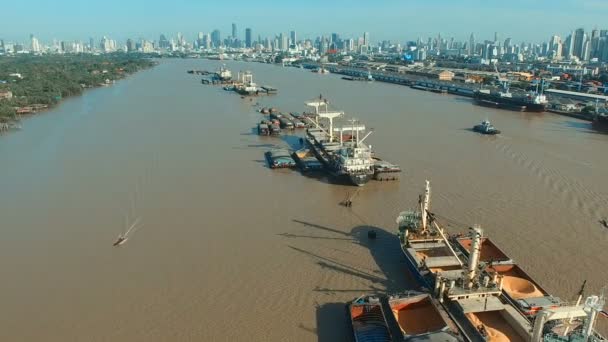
pixel 531 102
pixel 342 150
pixel 223 74
pixel 486 294
pixel 346 158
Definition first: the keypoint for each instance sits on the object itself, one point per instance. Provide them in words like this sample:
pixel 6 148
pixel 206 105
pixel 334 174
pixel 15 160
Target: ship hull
pixel 359 179
pixel 340 177
pixel 513 103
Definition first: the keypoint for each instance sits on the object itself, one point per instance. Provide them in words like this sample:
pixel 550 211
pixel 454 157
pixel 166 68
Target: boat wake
pixel 571 191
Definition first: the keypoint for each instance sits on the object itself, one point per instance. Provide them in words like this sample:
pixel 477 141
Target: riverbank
pixel 422 83
pixel 33 84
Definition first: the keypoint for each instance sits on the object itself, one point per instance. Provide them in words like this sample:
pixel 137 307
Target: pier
pixel 416 82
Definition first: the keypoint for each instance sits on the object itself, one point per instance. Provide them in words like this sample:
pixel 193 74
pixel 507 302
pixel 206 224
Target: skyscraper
pixel 568 46
pixel 293 37
pixel 35 43
pixel 579 39
pixel 216 39
pixel 234 30
pixel 163 42
pixel 472 45
pixel 248 42
pixel 283 42
pixel 366 38
pixel 130 45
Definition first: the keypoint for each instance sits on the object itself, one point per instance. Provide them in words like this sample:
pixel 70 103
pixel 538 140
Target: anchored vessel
pixel 223 74
pixel 485 293
pixel 485 127
pixel 245 85
pixel 279 159
pixel 349 158
pixel 531 102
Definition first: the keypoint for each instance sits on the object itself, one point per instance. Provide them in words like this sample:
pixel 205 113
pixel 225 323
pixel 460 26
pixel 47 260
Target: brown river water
pixel 228 249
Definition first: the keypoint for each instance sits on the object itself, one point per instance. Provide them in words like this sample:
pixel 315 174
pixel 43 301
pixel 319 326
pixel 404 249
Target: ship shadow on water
pixel 333 323
pixel 332 319
pixel 294 142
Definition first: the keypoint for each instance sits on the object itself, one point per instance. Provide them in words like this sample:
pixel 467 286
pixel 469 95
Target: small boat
pixel 485 127
pixel 121 239
pixel 368 320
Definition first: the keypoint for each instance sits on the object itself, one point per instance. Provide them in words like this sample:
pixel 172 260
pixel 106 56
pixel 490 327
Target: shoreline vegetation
pixel 30 84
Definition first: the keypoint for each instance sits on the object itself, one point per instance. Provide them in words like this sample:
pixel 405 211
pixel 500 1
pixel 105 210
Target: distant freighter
pixel 531 102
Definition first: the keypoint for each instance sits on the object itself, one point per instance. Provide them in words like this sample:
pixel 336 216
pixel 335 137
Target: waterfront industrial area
pixel 317 189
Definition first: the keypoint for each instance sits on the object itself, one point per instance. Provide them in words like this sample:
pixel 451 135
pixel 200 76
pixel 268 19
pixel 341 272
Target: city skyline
pixel 402 21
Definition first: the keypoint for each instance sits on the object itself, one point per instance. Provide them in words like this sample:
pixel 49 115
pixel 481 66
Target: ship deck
pixel 489 251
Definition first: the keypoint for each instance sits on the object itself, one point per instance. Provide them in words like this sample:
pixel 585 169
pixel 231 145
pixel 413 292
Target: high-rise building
pixel 130 45
pixel 206 41
pixel 350 46
pixel 35 44
pixel 234 30
pixel 248 37
pixel 496 42
pixel 472 45
pixel 163 42
pixel 586 52
pixel 579 39
pixel 216 38
pixel 91 44
pixel 366 38
pixel 335 37
pixel 293 37
pixel 557 50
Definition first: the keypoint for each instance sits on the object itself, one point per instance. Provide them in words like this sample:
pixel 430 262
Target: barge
pixel 278 159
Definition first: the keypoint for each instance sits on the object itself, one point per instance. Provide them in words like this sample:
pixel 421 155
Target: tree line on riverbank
pixel 28 82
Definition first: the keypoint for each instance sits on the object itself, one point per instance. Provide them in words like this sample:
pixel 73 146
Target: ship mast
pixel 475 254
pixel 321 102
pixel 425 205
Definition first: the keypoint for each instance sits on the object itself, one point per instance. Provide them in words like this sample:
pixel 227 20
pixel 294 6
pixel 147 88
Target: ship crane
pixel 589 309
pixel 319 105
pixel 502 80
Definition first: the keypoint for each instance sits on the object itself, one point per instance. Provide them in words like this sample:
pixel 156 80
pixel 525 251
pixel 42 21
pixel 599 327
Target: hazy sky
pixel 397 20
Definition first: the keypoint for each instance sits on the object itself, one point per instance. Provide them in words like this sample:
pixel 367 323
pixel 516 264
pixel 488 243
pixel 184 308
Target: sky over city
pixel 396 20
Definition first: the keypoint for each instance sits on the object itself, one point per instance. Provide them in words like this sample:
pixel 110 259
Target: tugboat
pixel 486 128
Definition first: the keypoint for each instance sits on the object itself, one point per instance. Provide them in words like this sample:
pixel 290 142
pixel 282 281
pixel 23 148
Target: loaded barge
pixel 484 292
pixel 346 157
pixel 408 316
